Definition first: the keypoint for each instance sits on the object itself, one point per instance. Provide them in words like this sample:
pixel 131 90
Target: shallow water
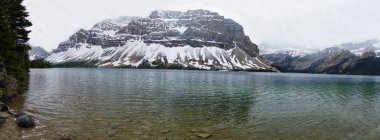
pixel 176 104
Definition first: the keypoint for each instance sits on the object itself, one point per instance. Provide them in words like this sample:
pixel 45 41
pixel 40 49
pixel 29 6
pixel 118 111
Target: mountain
pixel 349 58
pixel 38 53
pixel 198 39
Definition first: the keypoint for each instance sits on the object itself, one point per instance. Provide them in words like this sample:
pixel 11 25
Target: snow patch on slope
pixel 134 52
pixel 84 52
pixel 181 29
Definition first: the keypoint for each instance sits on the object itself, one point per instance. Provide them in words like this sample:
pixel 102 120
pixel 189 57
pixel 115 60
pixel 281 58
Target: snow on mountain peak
pixel 165 14
pixel 114 24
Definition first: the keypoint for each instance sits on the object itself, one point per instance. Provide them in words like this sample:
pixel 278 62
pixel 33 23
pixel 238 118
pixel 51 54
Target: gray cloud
pixel 306 23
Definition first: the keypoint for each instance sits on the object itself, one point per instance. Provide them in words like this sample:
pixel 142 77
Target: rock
pixel 98 138
pixel 99 119
pixel 162 138
pixel 67 136
pixel 148 128
pixel 221 127
pixel 146 123
pixel 192 130
pixel 3 107
pixel 29 109
pixel 137 133
pixel 159 121
pixel 115 125
pixel 165 131
pixel 203 135
pixel 193 137
pixel 24 120
pixel 2 119
pixel 127 120
pixel 111 133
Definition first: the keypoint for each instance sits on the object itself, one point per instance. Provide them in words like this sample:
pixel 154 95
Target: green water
pixel 175 104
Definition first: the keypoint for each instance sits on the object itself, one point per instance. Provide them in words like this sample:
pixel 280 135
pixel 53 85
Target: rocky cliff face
pixel 349 58
pixel 196 38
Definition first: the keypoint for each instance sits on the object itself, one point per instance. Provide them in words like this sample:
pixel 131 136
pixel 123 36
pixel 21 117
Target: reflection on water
pixel 148 104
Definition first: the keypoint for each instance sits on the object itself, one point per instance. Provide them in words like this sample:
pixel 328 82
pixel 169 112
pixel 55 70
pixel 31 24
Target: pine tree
pixel 18 22
pixel 13 40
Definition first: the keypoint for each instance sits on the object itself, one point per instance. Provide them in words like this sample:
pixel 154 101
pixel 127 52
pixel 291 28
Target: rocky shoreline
pixel 13 122
pixel 8 89
pixel 18 125
pixel 9 129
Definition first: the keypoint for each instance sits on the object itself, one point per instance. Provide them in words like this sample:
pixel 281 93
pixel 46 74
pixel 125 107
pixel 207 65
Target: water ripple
pixel 230 105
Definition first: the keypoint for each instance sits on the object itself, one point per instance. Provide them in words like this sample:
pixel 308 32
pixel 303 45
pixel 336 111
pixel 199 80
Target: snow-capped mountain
pixel 195 39
pixel 360 48
pixel 37 53
pixel 348 58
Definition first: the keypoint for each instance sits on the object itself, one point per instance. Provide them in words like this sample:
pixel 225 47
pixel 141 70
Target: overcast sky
pixel 302 23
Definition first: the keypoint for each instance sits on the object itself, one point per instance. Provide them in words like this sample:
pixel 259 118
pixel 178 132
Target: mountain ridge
pixel 349 58
pixel 196 38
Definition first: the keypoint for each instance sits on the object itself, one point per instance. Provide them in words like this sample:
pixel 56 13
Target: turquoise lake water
pixel 179 104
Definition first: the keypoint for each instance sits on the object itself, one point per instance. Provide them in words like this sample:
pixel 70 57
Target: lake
pixel 181 104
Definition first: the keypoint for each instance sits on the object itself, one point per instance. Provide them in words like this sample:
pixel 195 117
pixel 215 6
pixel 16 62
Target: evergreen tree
pixel 18 22
pixel 13 39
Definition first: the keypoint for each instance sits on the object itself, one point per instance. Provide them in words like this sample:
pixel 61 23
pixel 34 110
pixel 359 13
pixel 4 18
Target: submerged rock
pixel 68 136
pixel 162 138
pixel 204 135
pixel 25 120
pixel 98 138
pixel 111 133
pixel 127 120
pixel 165 131
pixel 137 133
pixel 148 128
pixel 99 119
pixel 115 125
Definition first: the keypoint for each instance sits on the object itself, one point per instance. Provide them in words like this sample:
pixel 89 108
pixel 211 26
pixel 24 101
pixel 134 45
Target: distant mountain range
pixel 200 39
pixel 348 58
pixel 196 39
pixel 38 53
